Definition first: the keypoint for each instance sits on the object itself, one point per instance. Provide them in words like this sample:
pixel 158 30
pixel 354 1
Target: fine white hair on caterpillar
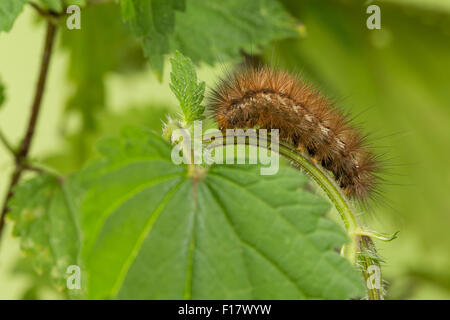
pixel 268 98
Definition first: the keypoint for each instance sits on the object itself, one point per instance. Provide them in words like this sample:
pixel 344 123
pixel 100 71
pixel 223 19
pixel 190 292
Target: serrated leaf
pixel 150 232
pixel 2 94
pixel 438 5
pixel 102 45
pixel 47 226
pixel 9 11
pixel 184 85
pixel 152 21
pixel 127 9
pixel 163 12
pixel 222 237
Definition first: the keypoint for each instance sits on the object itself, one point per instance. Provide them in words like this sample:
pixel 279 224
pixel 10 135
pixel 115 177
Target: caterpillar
pixel 268 98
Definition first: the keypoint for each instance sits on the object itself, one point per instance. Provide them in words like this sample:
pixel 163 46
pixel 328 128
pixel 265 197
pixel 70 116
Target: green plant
pixel 139 226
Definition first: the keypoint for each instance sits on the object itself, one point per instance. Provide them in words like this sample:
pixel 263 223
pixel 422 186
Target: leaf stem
pixel 24 148
pixel 96 2
pixel 53 16
pixel 361 247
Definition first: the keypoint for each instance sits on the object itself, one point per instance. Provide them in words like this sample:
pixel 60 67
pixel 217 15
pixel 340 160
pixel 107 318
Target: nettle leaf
pixel 151 232
pixel 184 85
pixel 103 45
pixel 9 11
pixel 80 147
pixel 209 31
pixel 47 226
pixel 217 30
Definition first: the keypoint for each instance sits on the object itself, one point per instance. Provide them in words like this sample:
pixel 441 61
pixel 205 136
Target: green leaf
pixel 209 31
pixel 152 21
pixel 9 11
pixel 222 237
pixel 2 94
pixel 184 85
pixel 215 30
pixel 103 45
pixel 163 15
pixel 150 232
pixel 47 226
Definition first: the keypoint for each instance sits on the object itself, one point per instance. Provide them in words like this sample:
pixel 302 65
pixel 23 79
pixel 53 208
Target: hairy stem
pixel 361 250
pixel 24 148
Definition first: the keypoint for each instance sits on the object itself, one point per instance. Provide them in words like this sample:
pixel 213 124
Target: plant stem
pixel 360 246
pixel 51 16
pixel 24 148
pixel 333 192
pixel 38 9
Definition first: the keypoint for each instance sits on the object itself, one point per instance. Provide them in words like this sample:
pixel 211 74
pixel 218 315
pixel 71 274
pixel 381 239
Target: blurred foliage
pixel 45 225
pixel 2 93
pixel 9 10
pixel 153 21
pixel 104 44
pixel 395 81
pixel 80 146
pixel 65 161
pixel 236 24
pixel 126 203
pixel 101 46
pixel 54 5
pixel 436 5
pixel 37 284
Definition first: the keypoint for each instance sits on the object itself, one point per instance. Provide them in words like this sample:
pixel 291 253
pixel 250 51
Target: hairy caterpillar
pixel 272 99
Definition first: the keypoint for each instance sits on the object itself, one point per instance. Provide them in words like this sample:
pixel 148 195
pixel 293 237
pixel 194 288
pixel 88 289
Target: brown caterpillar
pixel 272 99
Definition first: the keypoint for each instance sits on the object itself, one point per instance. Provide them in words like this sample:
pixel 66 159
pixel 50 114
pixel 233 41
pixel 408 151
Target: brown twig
pixel 38 8
pixel 51 16
pixel 24 148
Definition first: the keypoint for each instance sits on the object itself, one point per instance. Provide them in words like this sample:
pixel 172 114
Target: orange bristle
pixel 272 99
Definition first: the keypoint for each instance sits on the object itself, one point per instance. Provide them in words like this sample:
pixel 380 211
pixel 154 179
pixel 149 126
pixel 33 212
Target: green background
pixel 395 81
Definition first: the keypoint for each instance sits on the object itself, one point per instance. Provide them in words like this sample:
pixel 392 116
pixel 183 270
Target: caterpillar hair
pixel 268 98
